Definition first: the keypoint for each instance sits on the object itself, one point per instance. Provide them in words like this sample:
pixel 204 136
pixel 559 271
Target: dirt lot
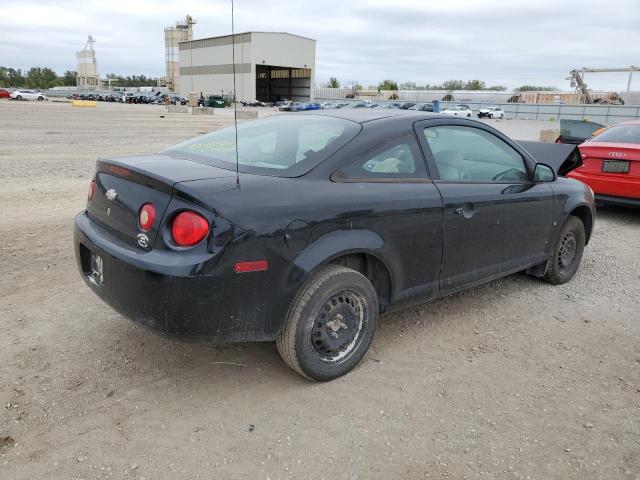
pixel 513 380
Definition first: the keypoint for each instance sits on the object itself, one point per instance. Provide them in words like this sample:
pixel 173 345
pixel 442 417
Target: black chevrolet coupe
pixel 334 218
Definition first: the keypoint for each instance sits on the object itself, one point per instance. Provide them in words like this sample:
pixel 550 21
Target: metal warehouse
pixel 269 66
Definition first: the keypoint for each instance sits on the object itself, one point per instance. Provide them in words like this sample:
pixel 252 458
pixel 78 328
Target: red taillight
pixel 189 228
pixel 147 216
pixel 92 190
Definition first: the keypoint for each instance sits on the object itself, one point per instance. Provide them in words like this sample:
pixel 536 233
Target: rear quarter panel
pixel 400 224
pixel 571 194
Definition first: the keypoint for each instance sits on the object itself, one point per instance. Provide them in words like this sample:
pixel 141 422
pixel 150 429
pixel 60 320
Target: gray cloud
pixel 499 41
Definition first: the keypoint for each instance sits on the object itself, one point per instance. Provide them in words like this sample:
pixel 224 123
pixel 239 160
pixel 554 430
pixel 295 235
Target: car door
pixel 496 220
pixel 402 205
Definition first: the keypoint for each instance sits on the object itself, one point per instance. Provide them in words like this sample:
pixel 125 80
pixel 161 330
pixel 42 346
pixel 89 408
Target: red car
pixel 4 93
pixel 611 164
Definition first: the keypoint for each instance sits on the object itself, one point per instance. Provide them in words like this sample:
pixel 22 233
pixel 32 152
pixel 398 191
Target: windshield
pixel 620 134
pixel 281 145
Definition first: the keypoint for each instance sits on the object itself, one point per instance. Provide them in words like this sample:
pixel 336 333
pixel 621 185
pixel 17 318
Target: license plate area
pixel 96 270
pixel 615 166
pixel 92 265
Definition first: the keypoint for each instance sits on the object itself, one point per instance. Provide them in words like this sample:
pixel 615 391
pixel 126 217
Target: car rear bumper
pixel 617 186
pixel 619 201
pixel 162 290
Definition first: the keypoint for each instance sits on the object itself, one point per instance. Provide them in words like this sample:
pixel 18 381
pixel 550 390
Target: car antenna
pixel 235 98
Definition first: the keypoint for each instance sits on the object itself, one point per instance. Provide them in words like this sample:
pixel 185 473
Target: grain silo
pixel 87 76
pixel 183 31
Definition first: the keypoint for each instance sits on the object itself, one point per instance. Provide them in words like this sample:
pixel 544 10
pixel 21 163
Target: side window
pixel 473 155
pixel 400 158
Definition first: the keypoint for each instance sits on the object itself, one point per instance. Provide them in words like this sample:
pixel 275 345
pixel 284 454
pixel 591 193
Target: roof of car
pixel 362 115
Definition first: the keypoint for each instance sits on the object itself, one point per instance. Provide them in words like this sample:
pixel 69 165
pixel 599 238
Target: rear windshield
pixel 281 145
pixel 619 134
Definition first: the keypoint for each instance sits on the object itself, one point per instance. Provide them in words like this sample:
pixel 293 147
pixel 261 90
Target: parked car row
pixel 460 110
pixel 298 106
pixel 366 104
pixel 153 98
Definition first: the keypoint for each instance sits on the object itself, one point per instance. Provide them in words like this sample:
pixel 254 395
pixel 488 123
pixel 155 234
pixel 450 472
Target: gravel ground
pixel 516 379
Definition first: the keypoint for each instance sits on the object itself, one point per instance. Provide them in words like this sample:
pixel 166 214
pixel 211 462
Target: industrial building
pixel 182 31
pixel 269 66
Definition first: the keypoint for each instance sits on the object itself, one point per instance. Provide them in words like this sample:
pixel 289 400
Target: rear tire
pixel 19 97
pixel 567 252
pixel 330 325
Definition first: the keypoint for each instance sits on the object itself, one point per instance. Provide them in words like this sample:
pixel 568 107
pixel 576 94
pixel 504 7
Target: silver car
pixel 28 95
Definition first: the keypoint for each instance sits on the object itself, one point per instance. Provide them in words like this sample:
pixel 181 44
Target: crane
pixel 577 78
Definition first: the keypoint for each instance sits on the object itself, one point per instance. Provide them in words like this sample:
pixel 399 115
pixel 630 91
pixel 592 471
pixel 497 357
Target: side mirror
pixel 544 173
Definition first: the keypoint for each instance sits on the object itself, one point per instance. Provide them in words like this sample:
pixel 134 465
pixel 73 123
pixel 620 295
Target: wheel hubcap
pixel 568 250
pixel 338 325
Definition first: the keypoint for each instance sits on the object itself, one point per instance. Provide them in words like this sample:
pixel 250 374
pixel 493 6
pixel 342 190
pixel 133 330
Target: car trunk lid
pixel 561 157
pixel 124 185
pixel 611 159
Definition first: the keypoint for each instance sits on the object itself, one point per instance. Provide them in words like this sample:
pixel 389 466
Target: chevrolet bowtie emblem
pixel 111 195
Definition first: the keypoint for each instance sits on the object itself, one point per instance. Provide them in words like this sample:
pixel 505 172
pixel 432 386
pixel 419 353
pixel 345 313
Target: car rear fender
pixel 357 249
pixel 338 243
pixel 578 203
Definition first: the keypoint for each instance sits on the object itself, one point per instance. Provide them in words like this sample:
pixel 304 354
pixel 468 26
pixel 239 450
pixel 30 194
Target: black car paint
pixel 409 228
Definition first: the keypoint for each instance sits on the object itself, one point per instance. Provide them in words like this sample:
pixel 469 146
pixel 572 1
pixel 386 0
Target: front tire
pixel 330 325
pixel 567 252
pixel 40 99
pixel 19 97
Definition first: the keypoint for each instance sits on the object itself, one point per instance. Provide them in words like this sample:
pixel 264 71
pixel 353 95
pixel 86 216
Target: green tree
pixel 10 77
pixel 333 83
pixel 409 86
pixel 387 85
pixel 497 88
pixel 534 88
pixel 453 85
pixel 474 85
pixel 69 78
pixel 4 76
pixel 41 77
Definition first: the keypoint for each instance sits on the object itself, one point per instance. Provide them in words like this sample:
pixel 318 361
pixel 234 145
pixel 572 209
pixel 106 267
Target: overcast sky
pixel 507 42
